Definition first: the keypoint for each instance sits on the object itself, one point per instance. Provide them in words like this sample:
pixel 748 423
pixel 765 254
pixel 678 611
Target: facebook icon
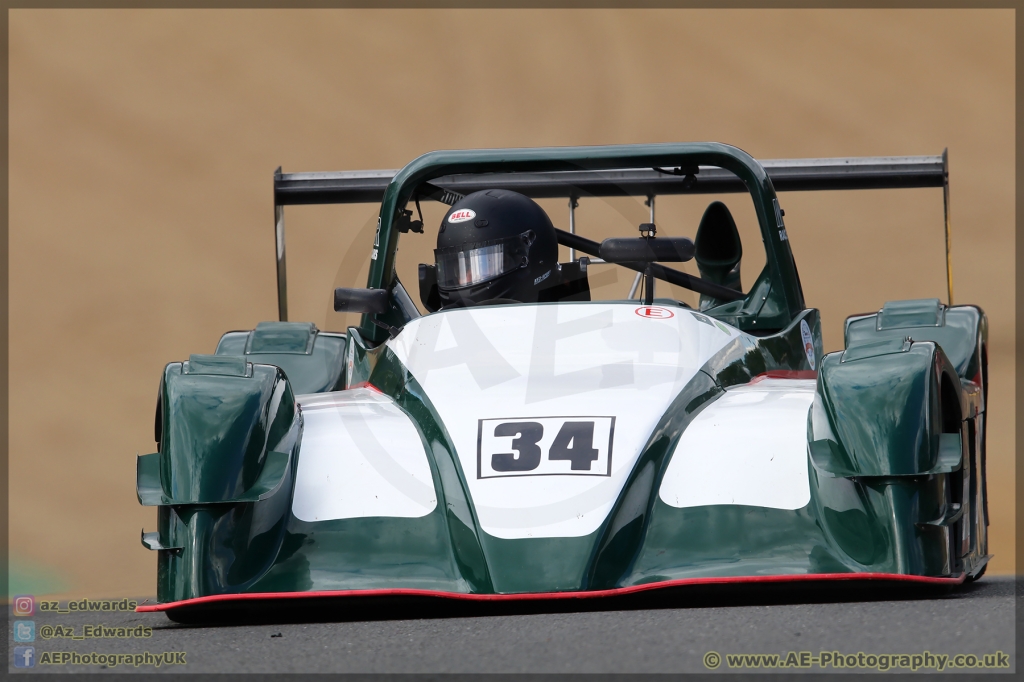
pixel 24 657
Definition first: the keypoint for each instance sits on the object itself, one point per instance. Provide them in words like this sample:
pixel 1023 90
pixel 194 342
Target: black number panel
pixel 525 455
pixel 545 446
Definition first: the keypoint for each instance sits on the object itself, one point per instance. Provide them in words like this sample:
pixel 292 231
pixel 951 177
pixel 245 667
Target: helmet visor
pixel 468 264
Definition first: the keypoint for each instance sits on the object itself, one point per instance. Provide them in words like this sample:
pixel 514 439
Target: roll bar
pixel 784 175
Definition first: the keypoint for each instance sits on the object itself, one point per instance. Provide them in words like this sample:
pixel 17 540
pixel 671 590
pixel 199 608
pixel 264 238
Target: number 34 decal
pixel 545 446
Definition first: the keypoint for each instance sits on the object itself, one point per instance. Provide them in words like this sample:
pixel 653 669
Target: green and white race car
pixel 566 447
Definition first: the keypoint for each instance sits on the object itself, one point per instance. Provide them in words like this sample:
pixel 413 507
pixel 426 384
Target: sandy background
pixel 142 145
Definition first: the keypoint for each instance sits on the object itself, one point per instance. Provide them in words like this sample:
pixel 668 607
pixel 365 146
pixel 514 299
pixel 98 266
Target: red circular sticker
pixel 654 312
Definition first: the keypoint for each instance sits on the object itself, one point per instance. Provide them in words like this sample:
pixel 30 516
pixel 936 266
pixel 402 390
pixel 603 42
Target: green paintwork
pixel 849 526
pixel 749 356
pixel 225 548
pixel 538 564
pixel 962 334
pixel 391 377
pixel 962 330
pixel 729 541
pixel 223 475
pixel 746 313
pixel 855 522
pixel 272 475
pixel 487 563
pixel 622 534
pixel 218 427
pixel 365 553
pixel 858 519
pixel 440 551
pixel 312 360
pixel 881 414
pixel 896 454
pixel 147 481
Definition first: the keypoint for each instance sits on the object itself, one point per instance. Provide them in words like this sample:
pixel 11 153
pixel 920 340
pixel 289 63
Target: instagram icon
pixel 24 605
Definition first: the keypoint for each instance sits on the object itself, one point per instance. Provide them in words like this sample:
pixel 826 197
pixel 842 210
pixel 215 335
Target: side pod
pixel 227 432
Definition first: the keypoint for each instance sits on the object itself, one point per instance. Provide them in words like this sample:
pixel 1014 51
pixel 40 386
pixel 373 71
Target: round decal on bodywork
pixel 462 215
pixel 654 312
pixel 805 335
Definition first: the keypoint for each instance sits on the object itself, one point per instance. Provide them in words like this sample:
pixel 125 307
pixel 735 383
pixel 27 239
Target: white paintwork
pixel 749 447
pixel 520 362
pixel 360 456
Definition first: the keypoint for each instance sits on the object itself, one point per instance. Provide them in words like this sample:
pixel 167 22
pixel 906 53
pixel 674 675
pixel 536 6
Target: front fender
pixel 223 477
pixel 889 408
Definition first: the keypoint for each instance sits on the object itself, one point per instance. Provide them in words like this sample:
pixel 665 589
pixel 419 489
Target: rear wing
pixel 787 175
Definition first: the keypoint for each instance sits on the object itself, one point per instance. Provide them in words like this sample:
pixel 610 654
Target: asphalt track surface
pixel 661 633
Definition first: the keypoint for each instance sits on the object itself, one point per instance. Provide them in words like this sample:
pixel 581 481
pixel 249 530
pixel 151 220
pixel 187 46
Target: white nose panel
pixel 550 405
pixel 749 447
pixel 360 456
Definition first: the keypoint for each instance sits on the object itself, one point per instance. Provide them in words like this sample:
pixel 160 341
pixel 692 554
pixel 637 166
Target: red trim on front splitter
pixel 618 591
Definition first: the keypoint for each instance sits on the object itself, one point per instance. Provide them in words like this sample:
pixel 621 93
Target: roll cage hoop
pixel 646 170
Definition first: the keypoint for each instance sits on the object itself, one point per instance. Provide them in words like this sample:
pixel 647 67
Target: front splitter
pixel 540 596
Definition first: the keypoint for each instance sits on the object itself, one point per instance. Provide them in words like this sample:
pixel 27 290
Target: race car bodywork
pixel 574 447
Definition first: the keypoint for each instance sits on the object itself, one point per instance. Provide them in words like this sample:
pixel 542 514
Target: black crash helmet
pixel 495 244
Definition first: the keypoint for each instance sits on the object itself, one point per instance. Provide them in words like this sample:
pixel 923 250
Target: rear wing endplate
pixel 787 175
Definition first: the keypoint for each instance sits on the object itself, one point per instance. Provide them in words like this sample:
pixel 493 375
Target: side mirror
pixel 647 250
pixel 360 300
